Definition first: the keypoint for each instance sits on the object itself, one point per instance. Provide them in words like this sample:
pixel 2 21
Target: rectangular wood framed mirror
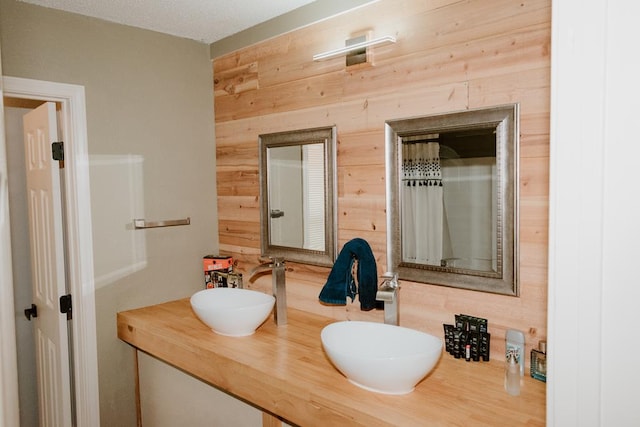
pixel 297 195
pixel 452 199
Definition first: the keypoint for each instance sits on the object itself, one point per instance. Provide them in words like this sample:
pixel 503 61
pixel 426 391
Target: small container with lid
pixel 539 362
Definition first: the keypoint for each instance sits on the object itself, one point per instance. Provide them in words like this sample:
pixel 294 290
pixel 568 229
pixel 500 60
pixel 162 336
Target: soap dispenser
pixel 514 343
pixel 512 375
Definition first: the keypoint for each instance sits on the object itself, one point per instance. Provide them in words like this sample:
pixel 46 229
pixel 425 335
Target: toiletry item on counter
pixel 512 375
pixel 472 323
pixel 515 345
pixel 448 337
pixel 216 269
pixel 468 338
pixel 227 280
pixel 485 344
pixel 539 362
pixel 457 339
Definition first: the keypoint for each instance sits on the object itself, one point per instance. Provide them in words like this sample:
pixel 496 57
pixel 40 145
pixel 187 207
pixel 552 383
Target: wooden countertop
pixel 284 371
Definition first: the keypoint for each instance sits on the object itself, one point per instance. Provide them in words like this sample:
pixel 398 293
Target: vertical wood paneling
pixel 450 56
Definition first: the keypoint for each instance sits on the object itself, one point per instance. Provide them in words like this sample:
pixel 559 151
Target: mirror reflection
pixel 297 195
pixel 449 179
pixel 452 219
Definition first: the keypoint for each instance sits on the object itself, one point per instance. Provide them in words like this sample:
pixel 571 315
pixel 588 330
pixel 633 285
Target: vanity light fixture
pixel 353 47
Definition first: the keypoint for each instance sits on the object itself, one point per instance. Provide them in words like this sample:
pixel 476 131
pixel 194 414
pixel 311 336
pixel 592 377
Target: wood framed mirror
pixel 452 202
pixel 297 195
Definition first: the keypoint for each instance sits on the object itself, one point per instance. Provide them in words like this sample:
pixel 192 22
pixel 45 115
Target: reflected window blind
pixel 313 181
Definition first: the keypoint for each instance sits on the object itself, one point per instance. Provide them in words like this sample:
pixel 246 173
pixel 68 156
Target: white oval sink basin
pixel 379 357
pixel 232 311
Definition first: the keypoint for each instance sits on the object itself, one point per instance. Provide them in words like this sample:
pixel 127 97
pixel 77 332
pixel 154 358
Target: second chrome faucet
pixel 388 292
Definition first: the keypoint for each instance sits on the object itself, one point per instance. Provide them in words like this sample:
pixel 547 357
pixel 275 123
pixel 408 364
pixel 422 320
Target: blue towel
pixel 341 282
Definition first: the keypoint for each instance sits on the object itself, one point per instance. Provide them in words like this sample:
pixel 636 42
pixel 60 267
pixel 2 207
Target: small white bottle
pixel 515 344
pixel 512 375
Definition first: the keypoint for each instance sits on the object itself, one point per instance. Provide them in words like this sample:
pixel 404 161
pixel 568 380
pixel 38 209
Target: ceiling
pixel 203 20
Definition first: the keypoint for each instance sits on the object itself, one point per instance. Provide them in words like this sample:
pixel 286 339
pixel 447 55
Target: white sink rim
pixel 405 356
pixel 232 311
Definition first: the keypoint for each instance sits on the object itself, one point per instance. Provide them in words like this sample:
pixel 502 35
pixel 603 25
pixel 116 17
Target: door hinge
pixel 57 150
pixel 65 305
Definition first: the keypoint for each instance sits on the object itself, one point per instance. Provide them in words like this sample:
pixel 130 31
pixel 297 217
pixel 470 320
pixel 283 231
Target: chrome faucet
pixel 277 270
pixel 388 292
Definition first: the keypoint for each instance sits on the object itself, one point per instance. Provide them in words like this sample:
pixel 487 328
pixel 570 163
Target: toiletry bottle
pixel 512 375
pixel 467 342
pixel 515 344
pixel 539 362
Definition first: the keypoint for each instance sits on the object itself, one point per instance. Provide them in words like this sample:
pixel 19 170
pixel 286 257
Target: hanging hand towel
pixel 354 272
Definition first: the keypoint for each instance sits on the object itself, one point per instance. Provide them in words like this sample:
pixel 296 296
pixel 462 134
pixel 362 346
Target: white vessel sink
pixel 232 311
pixel 379 357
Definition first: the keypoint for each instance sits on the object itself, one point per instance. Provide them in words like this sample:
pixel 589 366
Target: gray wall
pixel 148 95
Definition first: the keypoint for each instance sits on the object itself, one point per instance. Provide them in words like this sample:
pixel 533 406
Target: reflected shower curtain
pixel 422 203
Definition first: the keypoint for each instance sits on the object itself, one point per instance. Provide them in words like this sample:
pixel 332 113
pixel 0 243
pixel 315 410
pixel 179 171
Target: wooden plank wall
pixel 451 55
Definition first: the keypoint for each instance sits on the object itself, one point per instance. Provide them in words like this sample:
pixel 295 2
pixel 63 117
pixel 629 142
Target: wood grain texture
pixel 269 420
pixel 450 56
pixel 284 371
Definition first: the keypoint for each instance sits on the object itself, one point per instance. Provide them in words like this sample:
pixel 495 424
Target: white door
pixel 285 196
pixel 48 266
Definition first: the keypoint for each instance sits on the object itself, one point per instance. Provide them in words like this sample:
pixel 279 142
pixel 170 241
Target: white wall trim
pixel 594 211
pixel 9 409
pixel 576 212
pixel 79 232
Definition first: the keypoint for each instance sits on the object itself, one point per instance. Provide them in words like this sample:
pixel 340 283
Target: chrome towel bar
pixel 141 223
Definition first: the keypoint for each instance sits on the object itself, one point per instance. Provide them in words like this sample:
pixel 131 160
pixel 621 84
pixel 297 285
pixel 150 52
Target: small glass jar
pixel 539 362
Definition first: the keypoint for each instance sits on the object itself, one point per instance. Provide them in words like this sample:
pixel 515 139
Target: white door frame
pixel 9 412
pixel 593 229
pixel 80 244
